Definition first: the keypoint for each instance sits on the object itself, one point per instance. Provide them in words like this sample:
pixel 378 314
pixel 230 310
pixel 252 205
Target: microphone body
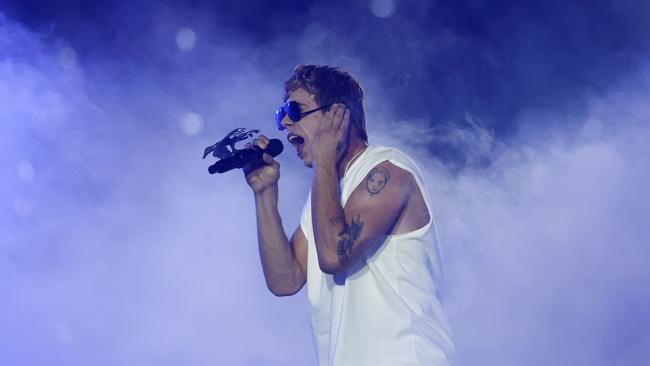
pixel 251 156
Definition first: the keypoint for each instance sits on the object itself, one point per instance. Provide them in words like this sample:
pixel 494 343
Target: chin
pixel 306 159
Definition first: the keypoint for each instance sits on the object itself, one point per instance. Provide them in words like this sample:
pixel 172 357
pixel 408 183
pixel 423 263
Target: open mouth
pixel 296 141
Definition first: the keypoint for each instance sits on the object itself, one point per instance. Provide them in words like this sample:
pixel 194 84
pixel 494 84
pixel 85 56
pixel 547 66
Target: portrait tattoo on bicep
pixel 347 236
pixel 377 180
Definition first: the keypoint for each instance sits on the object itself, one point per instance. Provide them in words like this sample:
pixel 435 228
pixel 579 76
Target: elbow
pixel 283 291
pixel 331 267
pixel 280 292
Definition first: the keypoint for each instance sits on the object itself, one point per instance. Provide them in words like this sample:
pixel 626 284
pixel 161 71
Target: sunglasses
pixel 292 109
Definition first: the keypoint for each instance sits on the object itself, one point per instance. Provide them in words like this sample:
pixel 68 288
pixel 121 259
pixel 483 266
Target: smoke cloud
pixel 117 247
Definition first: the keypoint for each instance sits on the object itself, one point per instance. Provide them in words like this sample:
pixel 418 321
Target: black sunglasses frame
pixel 292 109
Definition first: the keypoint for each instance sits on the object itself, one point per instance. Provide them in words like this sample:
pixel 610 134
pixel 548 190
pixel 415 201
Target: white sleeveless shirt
pixel 387 308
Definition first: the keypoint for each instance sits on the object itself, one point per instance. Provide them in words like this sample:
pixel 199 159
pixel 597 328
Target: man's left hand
pixel 332 136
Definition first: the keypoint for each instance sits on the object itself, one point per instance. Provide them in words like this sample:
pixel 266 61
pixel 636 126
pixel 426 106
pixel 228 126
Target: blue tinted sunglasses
pixel 292 109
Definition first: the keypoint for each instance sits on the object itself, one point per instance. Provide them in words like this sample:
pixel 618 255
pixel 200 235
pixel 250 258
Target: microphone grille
pixel 274 148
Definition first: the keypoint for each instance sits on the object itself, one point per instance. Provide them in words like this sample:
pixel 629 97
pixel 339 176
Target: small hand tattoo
pixel 347 236
pixel 377 180
pixel 339 146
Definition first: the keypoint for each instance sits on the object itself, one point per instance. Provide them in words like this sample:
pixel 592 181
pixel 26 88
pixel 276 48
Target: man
pixel 366 244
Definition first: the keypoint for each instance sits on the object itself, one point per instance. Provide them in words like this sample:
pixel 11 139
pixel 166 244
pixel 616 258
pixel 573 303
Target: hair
pixel 330 85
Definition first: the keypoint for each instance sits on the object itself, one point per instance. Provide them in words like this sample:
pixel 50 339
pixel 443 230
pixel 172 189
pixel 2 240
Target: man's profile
pixel 366 244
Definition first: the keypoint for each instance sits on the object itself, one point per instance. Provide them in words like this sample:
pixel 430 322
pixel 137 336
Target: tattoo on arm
pixel 336 218
pixel 339 146
pixel 347 236
pixel 377 180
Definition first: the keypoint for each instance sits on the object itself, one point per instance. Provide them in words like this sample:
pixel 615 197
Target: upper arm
pixel 371 211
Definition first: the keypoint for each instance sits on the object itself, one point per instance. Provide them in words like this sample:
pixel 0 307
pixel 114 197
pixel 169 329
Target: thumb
pixel 268 159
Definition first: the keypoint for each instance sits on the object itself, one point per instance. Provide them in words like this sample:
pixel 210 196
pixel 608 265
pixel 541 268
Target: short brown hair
pixel 330 85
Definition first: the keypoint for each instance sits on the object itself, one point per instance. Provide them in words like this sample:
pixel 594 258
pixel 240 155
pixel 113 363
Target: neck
pixel 351 153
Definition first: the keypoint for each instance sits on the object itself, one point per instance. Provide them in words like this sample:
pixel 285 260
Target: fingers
pixel 338 116
pixel 335 117
pixel 328 118
pixel 345 120
pixel 261 141
pixel 268 159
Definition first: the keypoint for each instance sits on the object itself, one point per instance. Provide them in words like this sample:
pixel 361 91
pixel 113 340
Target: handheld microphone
pixel 251 156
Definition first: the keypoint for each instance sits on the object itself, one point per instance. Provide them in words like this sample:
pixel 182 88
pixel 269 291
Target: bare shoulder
pixel 388 177
pixel 384 190
pixel 391 196
pixel 372 210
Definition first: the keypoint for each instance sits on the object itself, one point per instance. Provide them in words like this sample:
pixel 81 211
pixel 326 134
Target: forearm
pixel 328 216
pixel 281 270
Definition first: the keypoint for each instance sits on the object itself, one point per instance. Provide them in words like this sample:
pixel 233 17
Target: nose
pixel 286 121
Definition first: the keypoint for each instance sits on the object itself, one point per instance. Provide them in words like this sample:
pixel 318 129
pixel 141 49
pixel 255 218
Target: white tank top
pixel 387 309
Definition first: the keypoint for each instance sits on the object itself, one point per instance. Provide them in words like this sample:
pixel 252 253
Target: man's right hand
pixel 266 176
pixel 284 261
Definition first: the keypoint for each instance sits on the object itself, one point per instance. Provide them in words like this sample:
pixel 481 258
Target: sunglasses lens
pixel 293 110
pixel 279 115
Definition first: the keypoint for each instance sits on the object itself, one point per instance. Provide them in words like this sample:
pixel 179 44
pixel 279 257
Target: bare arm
pixel 344 235
pixel 283 260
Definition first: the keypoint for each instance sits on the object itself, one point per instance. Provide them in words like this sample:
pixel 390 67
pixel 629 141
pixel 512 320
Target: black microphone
pixel 251 156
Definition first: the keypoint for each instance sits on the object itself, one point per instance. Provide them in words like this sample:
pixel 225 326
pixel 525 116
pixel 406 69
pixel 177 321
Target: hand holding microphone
pixel 251 156
pixel 265 173
pixel 256 159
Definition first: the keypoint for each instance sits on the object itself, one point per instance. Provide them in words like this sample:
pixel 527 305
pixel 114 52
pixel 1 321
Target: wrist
pixel 323 154
pixel 324 161
pixel 267 195
pixel 324 168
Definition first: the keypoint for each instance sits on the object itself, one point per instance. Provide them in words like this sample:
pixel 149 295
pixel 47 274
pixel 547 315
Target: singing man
pixel 366 244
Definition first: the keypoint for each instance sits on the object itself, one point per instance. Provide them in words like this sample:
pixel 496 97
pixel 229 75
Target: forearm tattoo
pixel 377 180
pixel 339 146
pixel 347 236
pixel 336 218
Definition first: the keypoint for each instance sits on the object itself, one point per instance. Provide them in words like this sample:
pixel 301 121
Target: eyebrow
pixel 299 103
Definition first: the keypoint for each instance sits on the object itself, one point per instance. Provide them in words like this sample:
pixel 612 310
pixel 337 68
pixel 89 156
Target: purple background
pixel 117 248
